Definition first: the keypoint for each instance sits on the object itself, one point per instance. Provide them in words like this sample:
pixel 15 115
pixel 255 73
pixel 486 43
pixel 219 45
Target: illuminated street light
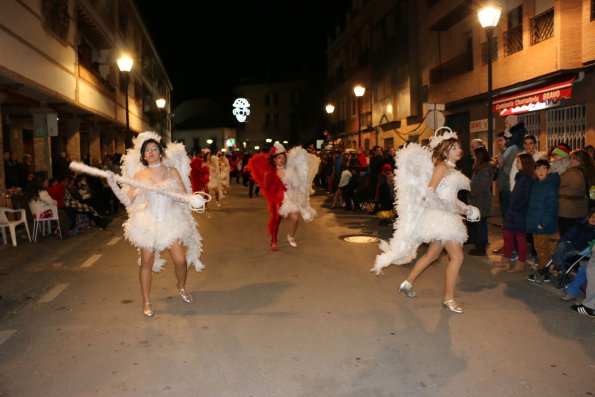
pixel 359 92
pixel 488 18
pixel 125 63
pixel 330 108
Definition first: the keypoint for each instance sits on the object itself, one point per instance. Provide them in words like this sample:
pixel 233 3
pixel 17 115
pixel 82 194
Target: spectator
pixel 480 196
pixel 516 215
pixel 587 308
pixel 574 190
pixel 542 215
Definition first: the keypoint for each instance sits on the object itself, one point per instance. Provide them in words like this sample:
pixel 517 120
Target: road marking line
pixel 53 293
pixel 89 262
pixel 6 334
pixel 114 241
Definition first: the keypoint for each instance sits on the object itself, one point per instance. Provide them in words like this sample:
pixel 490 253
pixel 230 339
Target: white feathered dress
pixel 155 221
pixel 417 222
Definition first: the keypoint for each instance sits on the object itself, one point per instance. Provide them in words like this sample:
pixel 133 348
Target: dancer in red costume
pixel 199 175
pixel 285 181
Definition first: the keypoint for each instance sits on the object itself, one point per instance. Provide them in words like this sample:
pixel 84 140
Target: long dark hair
pixel 482 159
pixel 527 164
pixel 586 165
pixel 144 146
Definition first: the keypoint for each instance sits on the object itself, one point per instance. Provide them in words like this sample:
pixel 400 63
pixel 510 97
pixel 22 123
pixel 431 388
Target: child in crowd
pixel 575 240
pixel 542 216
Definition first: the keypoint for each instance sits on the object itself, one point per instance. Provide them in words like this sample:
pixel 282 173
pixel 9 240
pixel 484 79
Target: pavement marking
pixel 53 293
pixel 89 262
pixel 6 334
pixel 114 241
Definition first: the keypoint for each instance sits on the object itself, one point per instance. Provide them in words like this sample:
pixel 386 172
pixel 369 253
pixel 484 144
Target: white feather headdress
pixel 436 139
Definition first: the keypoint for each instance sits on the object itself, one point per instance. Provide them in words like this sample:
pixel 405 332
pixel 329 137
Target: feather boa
pixel 298 179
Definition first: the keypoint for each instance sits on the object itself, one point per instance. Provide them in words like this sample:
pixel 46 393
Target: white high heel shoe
pixel 407 289
pixel 186 297
pixel 452 306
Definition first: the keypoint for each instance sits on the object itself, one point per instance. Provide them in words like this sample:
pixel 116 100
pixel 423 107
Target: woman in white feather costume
pixel 156 221
pixel 428 211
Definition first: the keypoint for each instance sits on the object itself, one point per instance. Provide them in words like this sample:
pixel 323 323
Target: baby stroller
pixel 565 278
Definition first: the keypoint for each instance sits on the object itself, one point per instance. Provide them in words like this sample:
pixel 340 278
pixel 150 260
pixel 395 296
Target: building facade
pixel 60 86
pixel 412 55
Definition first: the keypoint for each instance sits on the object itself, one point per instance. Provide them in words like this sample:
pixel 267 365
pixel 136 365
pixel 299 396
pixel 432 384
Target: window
pixel 267 120
pixel 542 26
pixel 56 18
pixel 275 99
pixel 513 37
pixel 592 10
pixel 276 120
pixel 267 100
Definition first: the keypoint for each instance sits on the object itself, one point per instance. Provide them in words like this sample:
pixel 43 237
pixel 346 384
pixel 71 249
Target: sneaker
pixel 515 256
pixel 583 310
pixel 535 277
pixel 547 277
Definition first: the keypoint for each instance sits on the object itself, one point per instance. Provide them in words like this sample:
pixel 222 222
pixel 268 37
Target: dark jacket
pixel 580 234
pixel 480 195
pixel 515 217
pixel 543 206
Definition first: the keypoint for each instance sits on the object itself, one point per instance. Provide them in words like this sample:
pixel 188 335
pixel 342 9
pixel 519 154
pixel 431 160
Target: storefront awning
pixel 535 99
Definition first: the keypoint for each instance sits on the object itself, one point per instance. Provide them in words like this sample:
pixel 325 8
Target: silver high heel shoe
pixel 452 306
pixel 291 241
pixel 186 297
pixel 148 309
pixel 407 289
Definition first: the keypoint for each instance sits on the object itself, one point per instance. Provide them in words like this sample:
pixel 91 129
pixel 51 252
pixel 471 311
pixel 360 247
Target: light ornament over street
pixel 241 109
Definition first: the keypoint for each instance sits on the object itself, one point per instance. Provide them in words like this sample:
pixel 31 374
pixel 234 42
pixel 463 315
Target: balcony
pixel 542 26
pixel 513 40
pixel 455 67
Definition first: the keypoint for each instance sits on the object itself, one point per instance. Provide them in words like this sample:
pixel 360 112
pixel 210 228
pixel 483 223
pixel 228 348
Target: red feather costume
pixel 199 175
pixel 272 188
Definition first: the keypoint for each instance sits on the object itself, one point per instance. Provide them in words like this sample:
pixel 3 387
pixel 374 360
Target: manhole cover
pixel 360 239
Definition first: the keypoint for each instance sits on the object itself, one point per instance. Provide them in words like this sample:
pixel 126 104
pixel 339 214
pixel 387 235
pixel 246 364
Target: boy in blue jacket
pixel 542 216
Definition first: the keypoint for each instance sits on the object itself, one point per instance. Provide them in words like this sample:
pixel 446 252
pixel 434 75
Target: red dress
pixel 199 175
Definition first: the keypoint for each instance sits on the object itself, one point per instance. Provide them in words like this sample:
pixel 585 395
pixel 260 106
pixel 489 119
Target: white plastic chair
pixel 11 225
pixel 43 221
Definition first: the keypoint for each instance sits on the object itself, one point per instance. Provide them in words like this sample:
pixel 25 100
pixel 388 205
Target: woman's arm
pixel 430 199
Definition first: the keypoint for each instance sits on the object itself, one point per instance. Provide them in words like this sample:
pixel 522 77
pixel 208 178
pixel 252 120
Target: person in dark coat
pixel 480 196
pixel 515 217
pixel 542 216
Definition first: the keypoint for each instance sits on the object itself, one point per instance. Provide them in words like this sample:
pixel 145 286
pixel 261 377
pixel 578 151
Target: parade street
pixel 305 321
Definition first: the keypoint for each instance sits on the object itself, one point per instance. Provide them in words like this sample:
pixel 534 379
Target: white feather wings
pixel 412 177
pixel 299 175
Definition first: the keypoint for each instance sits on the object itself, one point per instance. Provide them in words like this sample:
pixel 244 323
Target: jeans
pixel 559 258
pixel 509 238
pixel 574 288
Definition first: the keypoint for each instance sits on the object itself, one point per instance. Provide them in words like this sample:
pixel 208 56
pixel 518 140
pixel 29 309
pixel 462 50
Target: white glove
pixel 473 214
pixel 123 197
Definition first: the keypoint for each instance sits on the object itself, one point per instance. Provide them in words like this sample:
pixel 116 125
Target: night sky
pixel 267 39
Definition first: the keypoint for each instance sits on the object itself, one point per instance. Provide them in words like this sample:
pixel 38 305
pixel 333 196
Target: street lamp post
pixel 125 65
pixel 488 18
pixel 330 109
pixel 359 92
pixel 160 102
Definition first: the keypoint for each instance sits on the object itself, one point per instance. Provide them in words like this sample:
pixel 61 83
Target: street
pixel 305 321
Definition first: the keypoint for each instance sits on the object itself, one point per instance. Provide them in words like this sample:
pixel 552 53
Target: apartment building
pixel 409 53
pixel 61 89
pixel 280 110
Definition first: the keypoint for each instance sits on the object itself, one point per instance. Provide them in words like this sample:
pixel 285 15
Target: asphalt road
pixel 305 321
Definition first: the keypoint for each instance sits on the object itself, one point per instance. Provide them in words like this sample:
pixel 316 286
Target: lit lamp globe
pixel 125 63
pixel 160 102
pixel 489 16
pixel 330 108
pixel 359 90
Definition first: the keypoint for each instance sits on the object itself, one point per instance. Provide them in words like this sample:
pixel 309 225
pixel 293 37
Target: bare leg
pixel 176 251
pixel 178 255
pixel 147 257
pixel 294 218
pixel 426 260
pixel 455 254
